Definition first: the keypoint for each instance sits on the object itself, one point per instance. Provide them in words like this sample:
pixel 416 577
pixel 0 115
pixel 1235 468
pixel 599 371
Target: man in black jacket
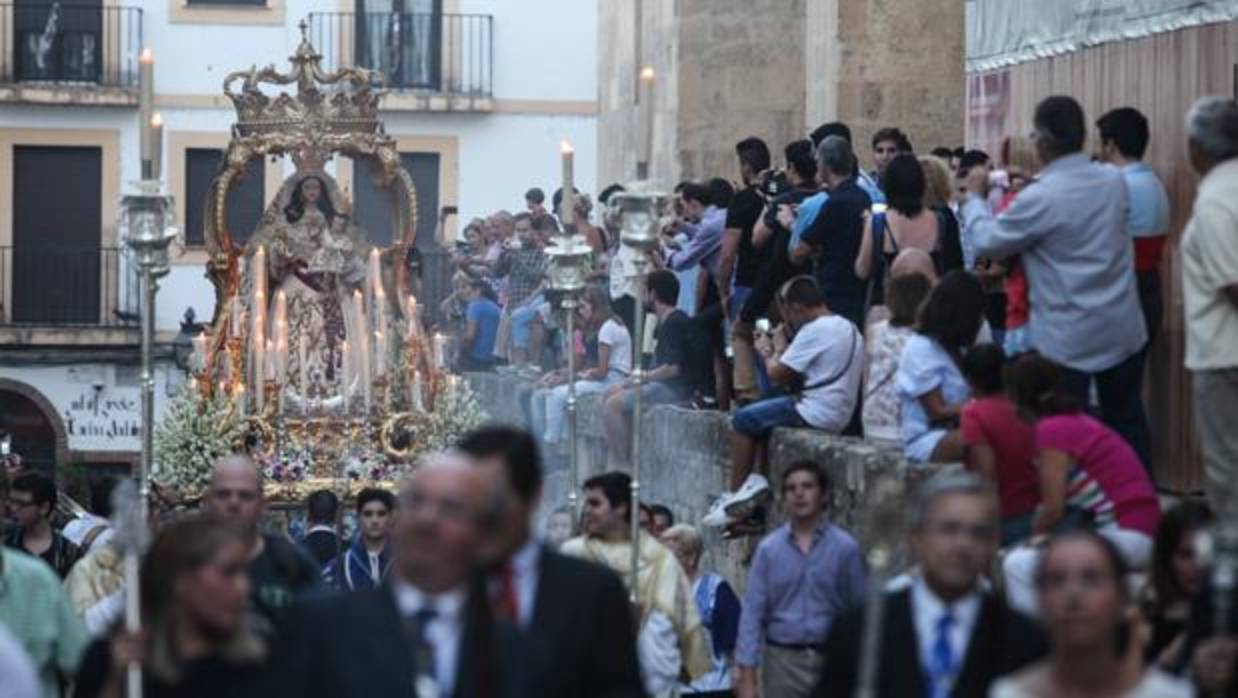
pixel 574 611
pixel 429 630
pixel 945 635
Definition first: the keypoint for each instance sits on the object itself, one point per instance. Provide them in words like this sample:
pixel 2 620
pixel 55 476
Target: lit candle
pixel 645 123
pixel 156 146
pixel 568 212
pixel 380 309
pixel 240 399
pixel 146 104
pixel 258 273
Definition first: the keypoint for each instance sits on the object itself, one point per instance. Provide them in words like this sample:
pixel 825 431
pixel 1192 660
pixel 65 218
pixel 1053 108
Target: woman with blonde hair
pixel 198 637
pixel 939 190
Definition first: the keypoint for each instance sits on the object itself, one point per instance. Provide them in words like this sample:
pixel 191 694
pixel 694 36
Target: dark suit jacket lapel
pixel 979 665
pixel 904 674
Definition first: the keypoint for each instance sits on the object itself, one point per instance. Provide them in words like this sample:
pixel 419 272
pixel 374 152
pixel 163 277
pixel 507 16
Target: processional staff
pixel 131 537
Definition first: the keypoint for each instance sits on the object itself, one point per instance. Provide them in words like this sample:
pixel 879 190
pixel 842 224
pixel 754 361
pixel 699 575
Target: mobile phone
pixel 448 211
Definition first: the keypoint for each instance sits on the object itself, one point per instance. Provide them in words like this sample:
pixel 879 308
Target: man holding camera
pixel 824 362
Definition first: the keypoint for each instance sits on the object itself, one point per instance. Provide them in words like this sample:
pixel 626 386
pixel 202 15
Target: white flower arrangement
pixel 194 432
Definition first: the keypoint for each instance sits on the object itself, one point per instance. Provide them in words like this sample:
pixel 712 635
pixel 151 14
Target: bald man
pixel 279 571
pixel 429 629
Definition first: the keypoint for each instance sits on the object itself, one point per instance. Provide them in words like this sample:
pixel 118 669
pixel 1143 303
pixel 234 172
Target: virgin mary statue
pixel 315 258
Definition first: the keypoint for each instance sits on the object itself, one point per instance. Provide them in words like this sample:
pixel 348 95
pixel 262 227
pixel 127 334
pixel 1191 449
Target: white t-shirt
pixel 821 350
pixel 923 368
pixel 614 335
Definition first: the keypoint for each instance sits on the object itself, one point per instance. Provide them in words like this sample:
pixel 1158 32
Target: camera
pixel 774 183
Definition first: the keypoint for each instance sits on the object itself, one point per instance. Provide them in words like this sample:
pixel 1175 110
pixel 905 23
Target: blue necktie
pixel 941 659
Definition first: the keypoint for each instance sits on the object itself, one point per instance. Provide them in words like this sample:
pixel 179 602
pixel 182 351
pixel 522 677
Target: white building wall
pixel 544 72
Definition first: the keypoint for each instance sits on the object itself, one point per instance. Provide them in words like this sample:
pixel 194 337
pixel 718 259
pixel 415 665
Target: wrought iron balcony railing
pixel 60 43
pixel 54 286
pixel 449 54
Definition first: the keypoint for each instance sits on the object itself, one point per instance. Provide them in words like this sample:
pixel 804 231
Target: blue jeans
pixel 1119 390
pixel 522 317
pixel 760 418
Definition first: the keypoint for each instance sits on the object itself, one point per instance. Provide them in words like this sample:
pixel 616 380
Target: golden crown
pixel 344 101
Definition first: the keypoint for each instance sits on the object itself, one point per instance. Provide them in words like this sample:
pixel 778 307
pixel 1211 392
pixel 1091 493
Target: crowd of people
pixel 449 588
pixel 990 317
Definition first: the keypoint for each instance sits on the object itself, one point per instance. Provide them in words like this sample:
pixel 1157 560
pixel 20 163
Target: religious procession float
pixel 316 362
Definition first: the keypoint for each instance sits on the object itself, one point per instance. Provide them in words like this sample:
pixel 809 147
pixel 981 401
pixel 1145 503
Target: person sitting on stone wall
pixel 823 364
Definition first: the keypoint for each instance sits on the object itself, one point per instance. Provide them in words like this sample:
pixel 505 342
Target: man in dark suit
pixel 944 635
pixel 429 630
pixel 321 540
pixel 574 611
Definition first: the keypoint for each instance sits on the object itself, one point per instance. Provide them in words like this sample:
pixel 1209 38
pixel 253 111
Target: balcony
pixel 51 295
pixel 59 53
pixel 432 61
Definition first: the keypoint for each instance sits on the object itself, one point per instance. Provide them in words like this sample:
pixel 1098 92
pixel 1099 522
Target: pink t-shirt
pixel 1107 478
pixel 991 420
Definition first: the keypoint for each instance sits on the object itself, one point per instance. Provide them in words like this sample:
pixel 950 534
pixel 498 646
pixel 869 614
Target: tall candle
pixel 146 102
pixel 234 316
pixel 345 371
pixel 156 146
pixel 645 122
pixel 567 155
pixel 240 399
pixel 258 273
pixel 303 365
pixel 380 354
pixel 380 309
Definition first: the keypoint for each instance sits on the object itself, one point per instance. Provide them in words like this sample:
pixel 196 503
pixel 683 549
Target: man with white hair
pixel 1210 291
pixel 279 571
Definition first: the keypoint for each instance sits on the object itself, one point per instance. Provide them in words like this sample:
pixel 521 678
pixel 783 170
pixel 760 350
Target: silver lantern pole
pixel 145 221
pixel 642 207
pixel 569 269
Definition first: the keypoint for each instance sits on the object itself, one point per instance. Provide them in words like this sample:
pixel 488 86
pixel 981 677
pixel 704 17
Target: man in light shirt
pixel 1210 293
pixel 1070 229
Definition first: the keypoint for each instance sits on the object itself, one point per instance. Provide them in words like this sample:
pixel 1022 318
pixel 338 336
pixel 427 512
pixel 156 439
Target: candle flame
pixel 647 74
pixel 147 56
pixel 566 148
pixel 156 121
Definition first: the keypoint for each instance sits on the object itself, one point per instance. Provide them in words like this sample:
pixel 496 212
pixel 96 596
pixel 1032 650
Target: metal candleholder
pixel 568 271
pixel 145 223
pixel 642 207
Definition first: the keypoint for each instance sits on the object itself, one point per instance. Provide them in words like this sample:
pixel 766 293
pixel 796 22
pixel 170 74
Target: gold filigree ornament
pixel 260 437
pixel 403 435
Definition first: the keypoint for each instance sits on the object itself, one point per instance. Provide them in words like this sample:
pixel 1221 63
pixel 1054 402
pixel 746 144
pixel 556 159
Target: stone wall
pixel 685 463
pixel 877 63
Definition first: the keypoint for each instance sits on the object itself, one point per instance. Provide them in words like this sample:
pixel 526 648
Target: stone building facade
pixel 728 69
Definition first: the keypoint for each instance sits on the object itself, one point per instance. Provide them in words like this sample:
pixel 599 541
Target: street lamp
pixel 568 271
pixel 642 207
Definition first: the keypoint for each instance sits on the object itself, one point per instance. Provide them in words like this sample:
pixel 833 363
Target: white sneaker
pixel 753 493
pixel 716 517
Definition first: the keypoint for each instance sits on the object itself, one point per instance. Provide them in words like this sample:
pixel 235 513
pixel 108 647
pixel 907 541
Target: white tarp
pixel 1004 32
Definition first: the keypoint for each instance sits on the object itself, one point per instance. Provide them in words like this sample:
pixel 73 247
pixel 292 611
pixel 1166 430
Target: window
pixel 372 206
pixel 402 39
pixel 58 41
pixel 57 224
pixel 243 206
